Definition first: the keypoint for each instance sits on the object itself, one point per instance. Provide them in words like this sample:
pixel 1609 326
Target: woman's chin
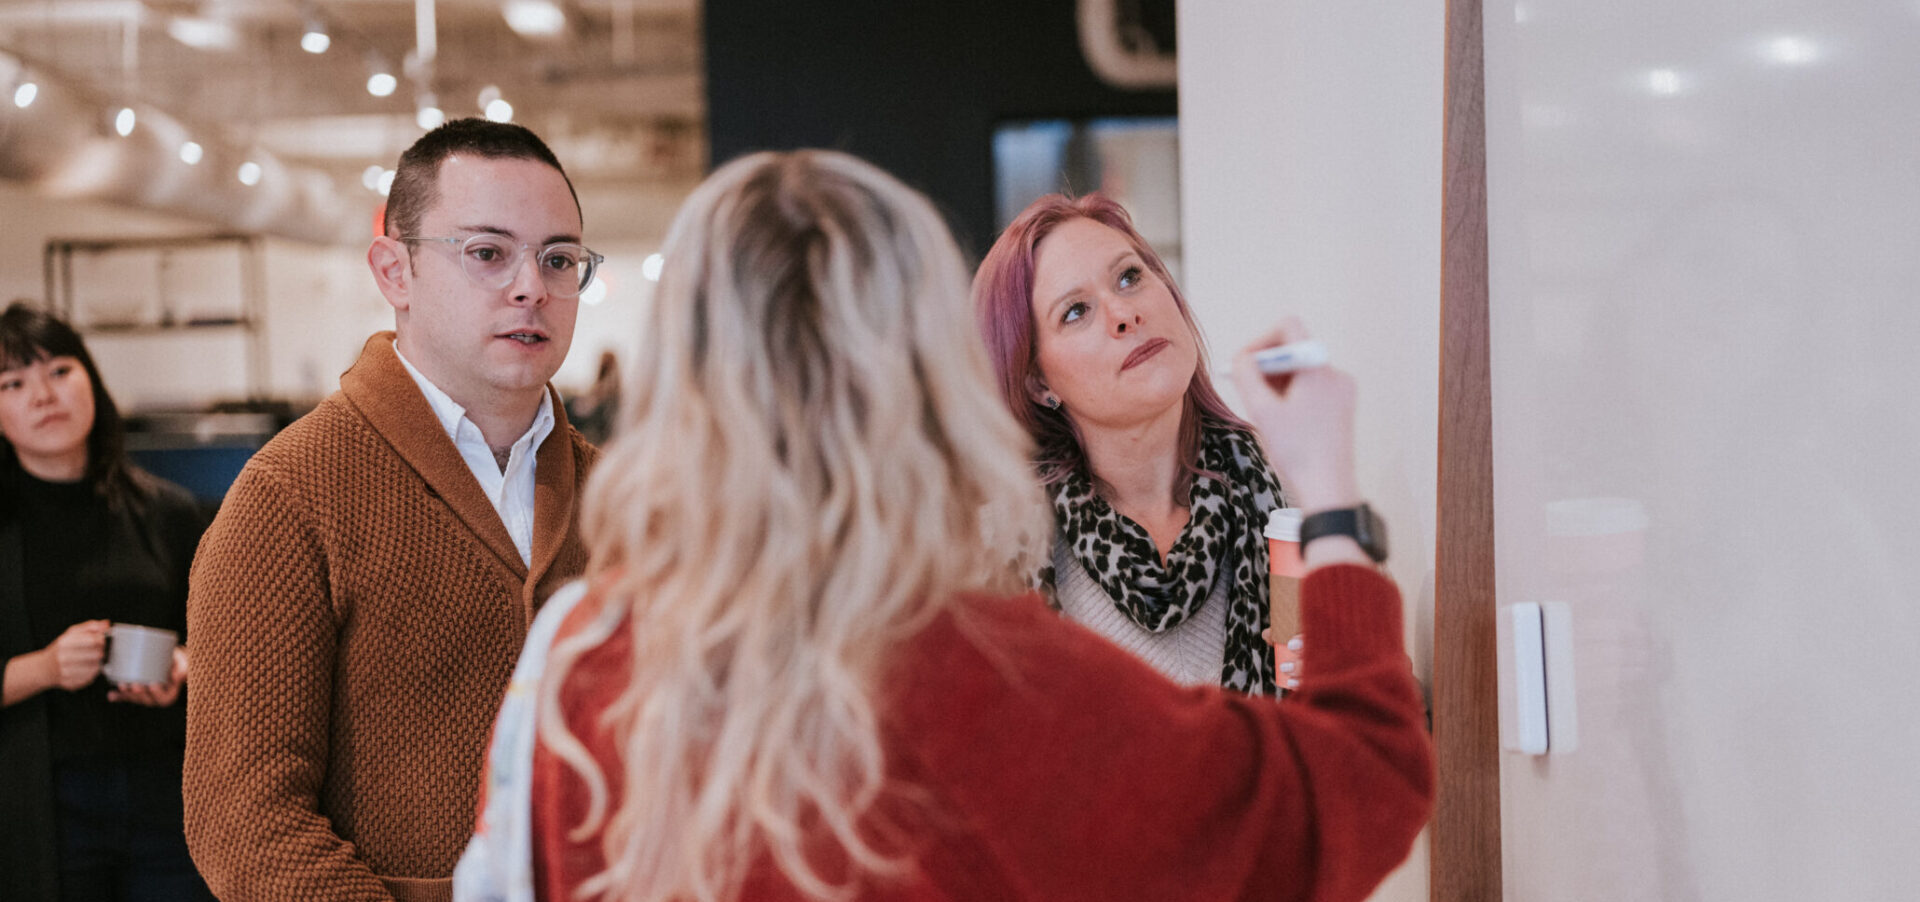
pixel 1132 411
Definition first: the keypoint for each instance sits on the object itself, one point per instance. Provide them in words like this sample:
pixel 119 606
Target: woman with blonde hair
pixel 802 666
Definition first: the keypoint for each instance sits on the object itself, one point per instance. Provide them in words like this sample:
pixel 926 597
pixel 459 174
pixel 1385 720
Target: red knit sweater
pixel 1061 768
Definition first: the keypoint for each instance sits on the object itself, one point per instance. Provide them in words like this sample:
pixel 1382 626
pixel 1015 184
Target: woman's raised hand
pixel 1305 419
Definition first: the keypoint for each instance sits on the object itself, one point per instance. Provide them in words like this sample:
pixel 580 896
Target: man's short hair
pixel 416 182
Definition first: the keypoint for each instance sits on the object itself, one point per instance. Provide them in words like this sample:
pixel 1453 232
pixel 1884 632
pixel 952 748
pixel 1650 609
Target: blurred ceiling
pixel 615 86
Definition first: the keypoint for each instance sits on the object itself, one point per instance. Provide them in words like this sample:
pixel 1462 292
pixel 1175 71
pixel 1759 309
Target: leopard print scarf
pixel 1227 526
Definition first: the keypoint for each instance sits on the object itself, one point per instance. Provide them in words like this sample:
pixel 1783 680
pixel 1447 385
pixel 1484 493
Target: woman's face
pixel 1112 343
pixel 46 411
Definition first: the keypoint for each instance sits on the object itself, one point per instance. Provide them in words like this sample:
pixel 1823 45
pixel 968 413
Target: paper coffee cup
pixel 139 654
pixel 1284 569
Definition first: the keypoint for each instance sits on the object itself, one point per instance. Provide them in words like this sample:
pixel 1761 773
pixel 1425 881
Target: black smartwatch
pixel 1358 522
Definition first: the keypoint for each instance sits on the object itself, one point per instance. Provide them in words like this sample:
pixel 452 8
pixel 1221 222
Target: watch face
pixel 1373 534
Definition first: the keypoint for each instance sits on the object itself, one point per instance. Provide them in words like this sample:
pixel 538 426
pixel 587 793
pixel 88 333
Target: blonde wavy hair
pixel 812 463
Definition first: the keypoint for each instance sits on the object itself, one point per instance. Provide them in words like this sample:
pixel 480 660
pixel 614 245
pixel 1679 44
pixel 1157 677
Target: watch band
pixel 1358 522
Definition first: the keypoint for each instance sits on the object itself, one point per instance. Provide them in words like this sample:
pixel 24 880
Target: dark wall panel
pixel 914 87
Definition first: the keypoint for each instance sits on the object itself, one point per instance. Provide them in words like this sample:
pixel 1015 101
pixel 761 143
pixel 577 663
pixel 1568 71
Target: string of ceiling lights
pixel 318 35
pixel 530 18
pixel 29 84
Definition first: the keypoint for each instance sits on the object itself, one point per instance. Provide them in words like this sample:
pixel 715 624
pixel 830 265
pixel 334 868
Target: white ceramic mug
pixel 139 654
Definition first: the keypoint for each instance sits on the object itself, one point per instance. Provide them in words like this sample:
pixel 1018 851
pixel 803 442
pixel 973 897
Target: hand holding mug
pixel 154 695
pixel 77 654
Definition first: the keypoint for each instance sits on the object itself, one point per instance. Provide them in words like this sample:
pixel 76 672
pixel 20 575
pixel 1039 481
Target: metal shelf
pixel 249 321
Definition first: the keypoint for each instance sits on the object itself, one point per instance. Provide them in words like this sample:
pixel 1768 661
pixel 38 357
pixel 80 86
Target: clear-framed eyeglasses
pixel 491 261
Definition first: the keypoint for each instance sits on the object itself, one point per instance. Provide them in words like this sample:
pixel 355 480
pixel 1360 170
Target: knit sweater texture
pixel 356 609
pixel 1189 652
pixel 1046 765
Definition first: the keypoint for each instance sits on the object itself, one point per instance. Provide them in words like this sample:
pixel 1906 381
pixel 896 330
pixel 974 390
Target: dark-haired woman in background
pixel 90 772
pixel 1160 494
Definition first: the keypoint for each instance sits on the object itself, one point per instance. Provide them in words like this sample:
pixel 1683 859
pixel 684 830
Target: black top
pixel 83 560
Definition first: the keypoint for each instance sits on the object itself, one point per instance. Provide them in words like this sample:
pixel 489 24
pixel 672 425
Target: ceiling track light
pixel 203 32
pixel 315 40
pixel 24 94
pixel 124 121
pixel 429 116
pixel 534 18
pixel 381 80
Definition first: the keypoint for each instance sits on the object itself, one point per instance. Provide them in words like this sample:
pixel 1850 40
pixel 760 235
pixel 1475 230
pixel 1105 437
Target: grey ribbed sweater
pixel 1189 653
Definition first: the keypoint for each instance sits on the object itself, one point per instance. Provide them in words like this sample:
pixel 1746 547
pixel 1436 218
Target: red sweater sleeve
pixel 1059 767
pixel 1089 776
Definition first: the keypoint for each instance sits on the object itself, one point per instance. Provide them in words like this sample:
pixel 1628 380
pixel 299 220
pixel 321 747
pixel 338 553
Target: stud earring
pixel 1053 402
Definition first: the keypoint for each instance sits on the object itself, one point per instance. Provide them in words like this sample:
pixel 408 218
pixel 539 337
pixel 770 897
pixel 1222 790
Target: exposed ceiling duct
pixel 64 144
pixel 619 92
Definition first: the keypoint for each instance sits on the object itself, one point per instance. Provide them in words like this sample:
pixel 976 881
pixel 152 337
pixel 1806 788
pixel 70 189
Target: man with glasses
pixel 358 604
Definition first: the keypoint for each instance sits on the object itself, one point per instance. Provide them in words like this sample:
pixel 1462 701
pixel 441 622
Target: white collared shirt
pixel 511 491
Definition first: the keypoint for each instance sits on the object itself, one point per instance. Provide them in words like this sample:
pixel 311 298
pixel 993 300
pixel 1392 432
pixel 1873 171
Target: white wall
pixel 1705 247
pixel 1310 141
pixel 321 302
pixel 30 219
pixel 614 323
pixel 321 306
pixel 627 223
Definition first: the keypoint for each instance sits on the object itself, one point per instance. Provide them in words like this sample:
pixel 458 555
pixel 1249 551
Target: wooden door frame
pixel 1465 863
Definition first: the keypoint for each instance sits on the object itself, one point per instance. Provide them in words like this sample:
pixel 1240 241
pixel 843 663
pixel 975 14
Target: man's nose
pixel 528 286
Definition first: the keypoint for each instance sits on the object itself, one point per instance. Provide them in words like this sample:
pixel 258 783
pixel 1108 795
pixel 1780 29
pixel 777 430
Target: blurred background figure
pixel 1160 494
pixel 593 413
pixel 797 671
pixel 90 772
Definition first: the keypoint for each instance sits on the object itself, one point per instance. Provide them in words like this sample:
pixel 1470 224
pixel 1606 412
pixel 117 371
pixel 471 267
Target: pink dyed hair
pixel 1003 307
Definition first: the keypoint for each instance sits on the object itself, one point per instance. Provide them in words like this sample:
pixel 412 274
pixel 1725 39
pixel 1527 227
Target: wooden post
pixel 1466 827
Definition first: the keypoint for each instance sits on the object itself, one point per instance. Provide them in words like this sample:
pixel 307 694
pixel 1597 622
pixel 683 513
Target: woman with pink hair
pixel 1160 494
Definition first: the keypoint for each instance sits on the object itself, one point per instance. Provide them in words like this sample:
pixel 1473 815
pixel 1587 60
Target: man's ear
pixel 392 270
